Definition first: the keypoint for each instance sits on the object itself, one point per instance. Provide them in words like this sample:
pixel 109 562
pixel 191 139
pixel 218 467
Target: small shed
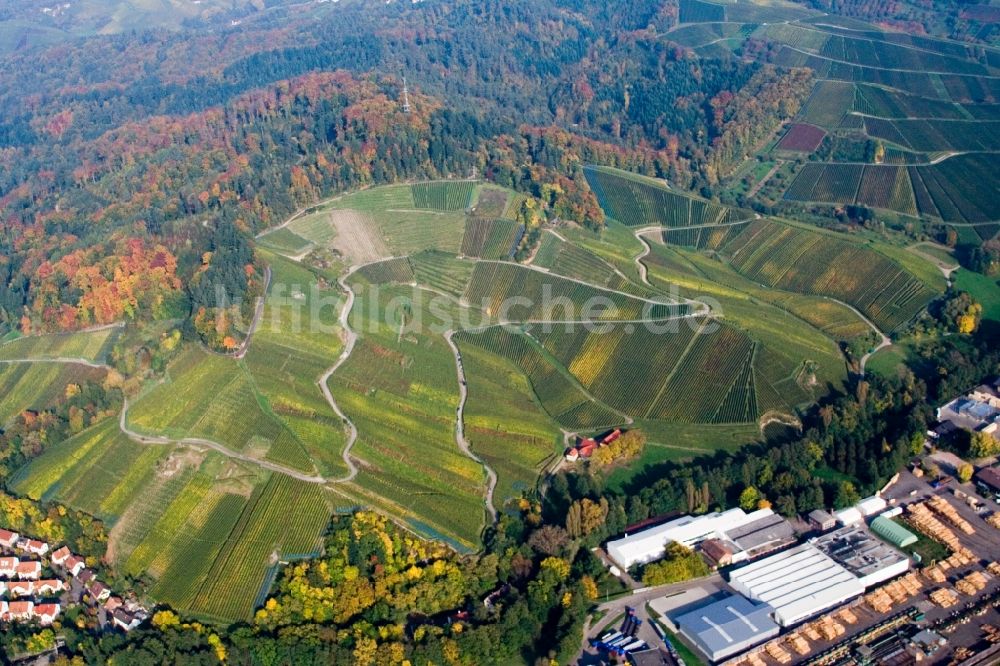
pixel 893 532
pixel 822 520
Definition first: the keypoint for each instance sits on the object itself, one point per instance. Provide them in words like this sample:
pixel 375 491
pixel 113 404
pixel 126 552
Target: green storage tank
pixel 894 533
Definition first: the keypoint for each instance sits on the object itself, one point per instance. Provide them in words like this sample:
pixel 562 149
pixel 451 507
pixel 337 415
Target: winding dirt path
pixel 463 443
pixel 350 339
pixel 258 314
pixel 885 342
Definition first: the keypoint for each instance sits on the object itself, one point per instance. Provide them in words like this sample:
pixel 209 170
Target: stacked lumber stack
pixel 879 600
pixel 896 592
pixel 755 660
pixel 797 643
pixel 943 507
pixel 934 574
pixel 925 521
pixel 972 583
pixel 944 597
pixel 911 583
pixel 994 520
pixel 779 653
pixel 830 628
pixel 847 615
pixel 993 568
pixel 811 632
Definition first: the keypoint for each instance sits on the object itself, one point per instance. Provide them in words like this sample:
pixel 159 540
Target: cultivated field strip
pixel 496 288
pixel 797 259
pixel 637 201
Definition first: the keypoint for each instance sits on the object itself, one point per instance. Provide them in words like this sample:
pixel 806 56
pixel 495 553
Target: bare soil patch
pixel 357 237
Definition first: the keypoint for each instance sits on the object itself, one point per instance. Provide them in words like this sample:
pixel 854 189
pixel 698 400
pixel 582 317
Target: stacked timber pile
pixel 830 628
pixel 944 508
pixel 934 574
pixel 810 631
pixel 879 600
pixel 924 520
pixel 993 568
pixel 972 583
pixel 994 520
pixel 847 615
pixel 797 643
pixel 779 653
pixel 755 660
pixel 944 597
pixel 992 633
pixel 896 591
pixel 911 583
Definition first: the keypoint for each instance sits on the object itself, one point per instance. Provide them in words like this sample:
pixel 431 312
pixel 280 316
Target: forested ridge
pixel 161 137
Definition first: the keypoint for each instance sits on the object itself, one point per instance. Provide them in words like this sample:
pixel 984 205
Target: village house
pixel 60 555
pixel 113 604
pixel 8 566
pixel 23 588
pixel 29 570
pixel 49 586
pixel 33 546
pixel 99 591
pixel 86 576
pixel 75 565
pixel 16 610
pixel 125 621
pixel 8 539
pixel 46 613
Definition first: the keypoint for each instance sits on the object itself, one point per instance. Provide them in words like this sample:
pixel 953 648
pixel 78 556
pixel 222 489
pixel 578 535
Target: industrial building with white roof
pixel 728 626
pixel 746 534
pixel 798 583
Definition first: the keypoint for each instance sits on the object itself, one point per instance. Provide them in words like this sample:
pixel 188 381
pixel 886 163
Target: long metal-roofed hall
pixel 728 626
pixel 798 583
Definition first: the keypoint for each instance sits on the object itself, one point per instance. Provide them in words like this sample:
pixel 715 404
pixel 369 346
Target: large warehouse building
pixel 798 583
pixel 728 626
pixel 744 534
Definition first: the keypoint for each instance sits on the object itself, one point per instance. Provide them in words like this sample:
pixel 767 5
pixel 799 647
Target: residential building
pixel 75 566
pixel 46 613
pixel 49 586
pixel 60 555
pixel 8 566
pixel 33 546
pixel 8 539
pixel 29 570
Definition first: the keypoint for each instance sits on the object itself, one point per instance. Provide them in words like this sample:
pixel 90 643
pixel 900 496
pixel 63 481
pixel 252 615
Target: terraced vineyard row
pixel 287 519
pixel 703 238
pixel 37 385
pixel 694 392
pixel 390 270
pixel 560 398
pixel 800 260
pixel 89 345
pixel 514 293
pixel 623 366
pixel 491 238
pixel 443 195
pixel 571 260
pixel 637 201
